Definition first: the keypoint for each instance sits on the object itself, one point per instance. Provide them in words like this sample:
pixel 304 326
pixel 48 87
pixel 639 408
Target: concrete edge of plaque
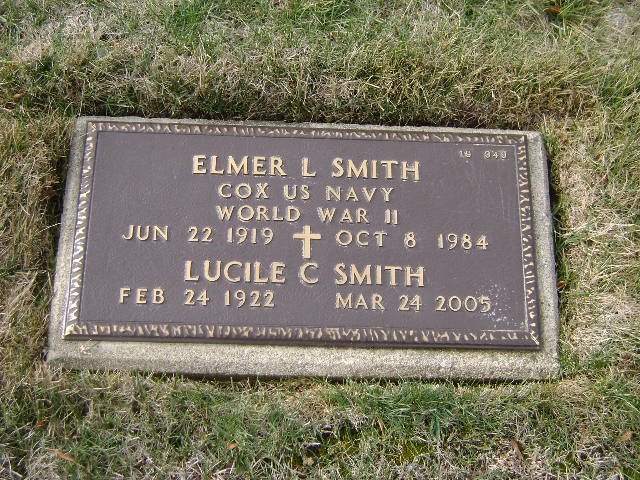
pixel 240 360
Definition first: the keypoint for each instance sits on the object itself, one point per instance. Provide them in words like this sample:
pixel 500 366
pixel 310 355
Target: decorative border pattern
pixel 82 224
pixel 259 334
pixel 527 243
pixel 390 337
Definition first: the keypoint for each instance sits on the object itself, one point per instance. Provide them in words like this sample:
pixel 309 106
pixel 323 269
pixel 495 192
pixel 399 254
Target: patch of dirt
pixel 589 339
pixel 577 182
pixel 39 46
pixel 72 29
pixel 621 23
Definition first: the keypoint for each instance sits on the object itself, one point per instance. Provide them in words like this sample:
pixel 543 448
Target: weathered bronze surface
pixel 221 233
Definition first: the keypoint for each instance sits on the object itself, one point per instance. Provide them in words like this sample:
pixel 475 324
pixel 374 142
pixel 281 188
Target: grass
pixel 570 69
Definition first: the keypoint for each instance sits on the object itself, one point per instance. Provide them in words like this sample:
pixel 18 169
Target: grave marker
pixel 229 248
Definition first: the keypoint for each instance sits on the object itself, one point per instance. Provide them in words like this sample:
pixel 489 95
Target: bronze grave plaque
pixel 302 235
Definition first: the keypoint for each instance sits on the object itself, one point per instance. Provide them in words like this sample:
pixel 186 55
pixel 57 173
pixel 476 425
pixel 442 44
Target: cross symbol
pixel 306 236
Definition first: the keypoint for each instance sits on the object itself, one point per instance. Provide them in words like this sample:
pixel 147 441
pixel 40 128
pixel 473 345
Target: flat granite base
pixel 220 359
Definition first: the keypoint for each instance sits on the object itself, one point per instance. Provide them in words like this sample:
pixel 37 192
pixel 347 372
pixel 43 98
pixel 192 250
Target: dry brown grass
pixel 572 73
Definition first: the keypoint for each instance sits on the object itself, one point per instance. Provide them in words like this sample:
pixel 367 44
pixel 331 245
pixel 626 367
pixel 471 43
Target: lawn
pixel 569 69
